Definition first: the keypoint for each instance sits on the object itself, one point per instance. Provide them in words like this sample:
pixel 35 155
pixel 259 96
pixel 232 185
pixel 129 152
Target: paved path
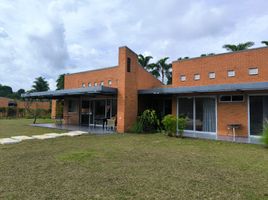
pixel 17 139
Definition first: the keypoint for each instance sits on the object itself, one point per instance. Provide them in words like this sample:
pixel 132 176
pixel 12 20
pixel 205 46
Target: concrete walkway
pixel 17 139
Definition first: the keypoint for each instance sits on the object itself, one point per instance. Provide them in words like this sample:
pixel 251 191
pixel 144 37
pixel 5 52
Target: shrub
pixel 265 134
pixel 11 111
pixel 169 123
pixel 137 127
pixel 149 121
pixel 181 125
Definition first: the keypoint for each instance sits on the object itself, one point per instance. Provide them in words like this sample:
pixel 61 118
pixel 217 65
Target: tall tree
pixel 60 82
pixel 5 91
pixel 265 42
pixel 144 60
pixel 161 69
pixel 239 47
pixel 40 84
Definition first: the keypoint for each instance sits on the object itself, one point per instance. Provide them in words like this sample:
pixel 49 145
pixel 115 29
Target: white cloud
pixel 50 37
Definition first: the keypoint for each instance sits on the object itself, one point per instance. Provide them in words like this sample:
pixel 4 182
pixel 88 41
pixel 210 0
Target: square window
pixel 101 83
pixel 231 73
pixel 183 78
pixel 109 82
pixel 89 84
pixel 95 84
pixel 212 75
pixel 197 77
pixel 83 85
pixel 253 71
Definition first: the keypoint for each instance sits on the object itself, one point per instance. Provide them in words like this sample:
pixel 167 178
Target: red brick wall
pixel 21 104
pixel 128 84
pixel 220 64
pixel 233 113
pixel 75 80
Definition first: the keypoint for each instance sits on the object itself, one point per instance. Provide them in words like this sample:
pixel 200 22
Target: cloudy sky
pixel 50 37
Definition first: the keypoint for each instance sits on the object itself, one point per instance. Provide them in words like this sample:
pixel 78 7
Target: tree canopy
pixel 40 85
pixel 144 60
pixel 265 42
pixel 60 82
pixel 239 47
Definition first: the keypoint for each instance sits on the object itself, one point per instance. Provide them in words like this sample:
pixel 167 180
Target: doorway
pixel 94 112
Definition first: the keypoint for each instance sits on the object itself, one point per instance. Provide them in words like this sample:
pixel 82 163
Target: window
pixel 83 85
pixel 95 84
pixel 101 83
pixel 231 98
pixel 231 73
pixel 197 77
pixel 200 111
pixel 128 64
pixel 109 82
pixel 183 78
pixel 238 98
pixel 71 106
pixel 89 84
pixel 253 71
pixel 212 75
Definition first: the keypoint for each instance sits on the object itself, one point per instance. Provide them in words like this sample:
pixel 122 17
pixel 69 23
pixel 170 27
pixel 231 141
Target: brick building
pixel 219 94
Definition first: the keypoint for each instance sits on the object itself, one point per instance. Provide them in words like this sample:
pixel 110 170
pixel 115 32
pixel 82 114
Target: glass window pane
pixel 186 110
pixel 205 119
pixel 238 98
pixel 258 114
pixel 225 98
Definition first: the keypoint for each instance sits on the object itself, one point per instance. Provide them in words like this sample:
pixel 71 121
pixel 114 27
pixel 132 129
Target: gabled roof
pixel 71 92
pixel 209 88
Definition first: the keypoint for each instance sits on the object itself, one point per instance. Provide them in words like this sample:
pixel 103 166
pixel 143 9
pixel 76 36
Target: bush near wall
pixel 13 112
pixel 146 123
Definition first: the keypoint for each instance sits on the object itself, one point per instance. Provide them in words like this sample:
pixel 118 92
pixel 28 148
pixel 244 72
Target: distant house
pixel 219 94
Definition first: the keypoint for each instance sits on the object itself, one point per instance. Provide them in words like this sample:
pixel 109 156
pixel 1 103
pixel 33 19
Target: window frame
pixel 230 75
pixel 181 78
pixel 128 64
pixel 210 73
pixel 231 98
pixel 199 77
pixel 253 68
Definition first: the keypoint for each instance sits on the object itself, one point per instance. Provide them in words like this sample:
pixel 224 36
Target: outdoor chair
pixel 111 123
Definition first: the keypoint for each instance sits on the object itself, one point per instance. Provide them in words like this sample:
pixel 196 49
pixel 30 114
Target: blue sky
pixel 50 37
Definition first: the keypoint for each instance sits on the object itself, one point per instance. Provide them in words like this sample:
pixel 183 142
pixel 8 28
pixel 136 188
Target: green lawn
pixel 14 127
pixel 132 166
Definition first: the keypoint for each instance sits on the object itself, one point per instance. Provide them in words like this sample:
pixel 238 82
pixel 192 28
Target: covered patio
pixel 91 109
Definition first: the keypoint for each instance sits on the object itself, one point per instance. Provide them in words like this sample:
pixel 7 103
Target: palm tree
pixel 161 69
pixel 144 60
pixel 265 42
pixel 239 47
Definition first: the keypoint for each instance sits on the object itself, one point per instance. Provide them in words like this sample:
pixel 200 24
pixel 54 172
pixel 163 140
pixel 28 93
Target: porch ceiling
pixel 71 92
pixel 260 86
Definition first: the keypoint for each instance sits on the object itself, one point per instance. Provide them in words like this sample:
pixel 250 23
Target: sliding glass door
pixel 258 113
pixel 200 111
pixel 95 111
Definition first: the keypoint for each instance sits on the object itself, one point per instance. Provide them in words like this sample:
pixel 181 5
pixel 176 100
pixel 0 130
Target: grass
pixel 132 166
pixel 14 127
